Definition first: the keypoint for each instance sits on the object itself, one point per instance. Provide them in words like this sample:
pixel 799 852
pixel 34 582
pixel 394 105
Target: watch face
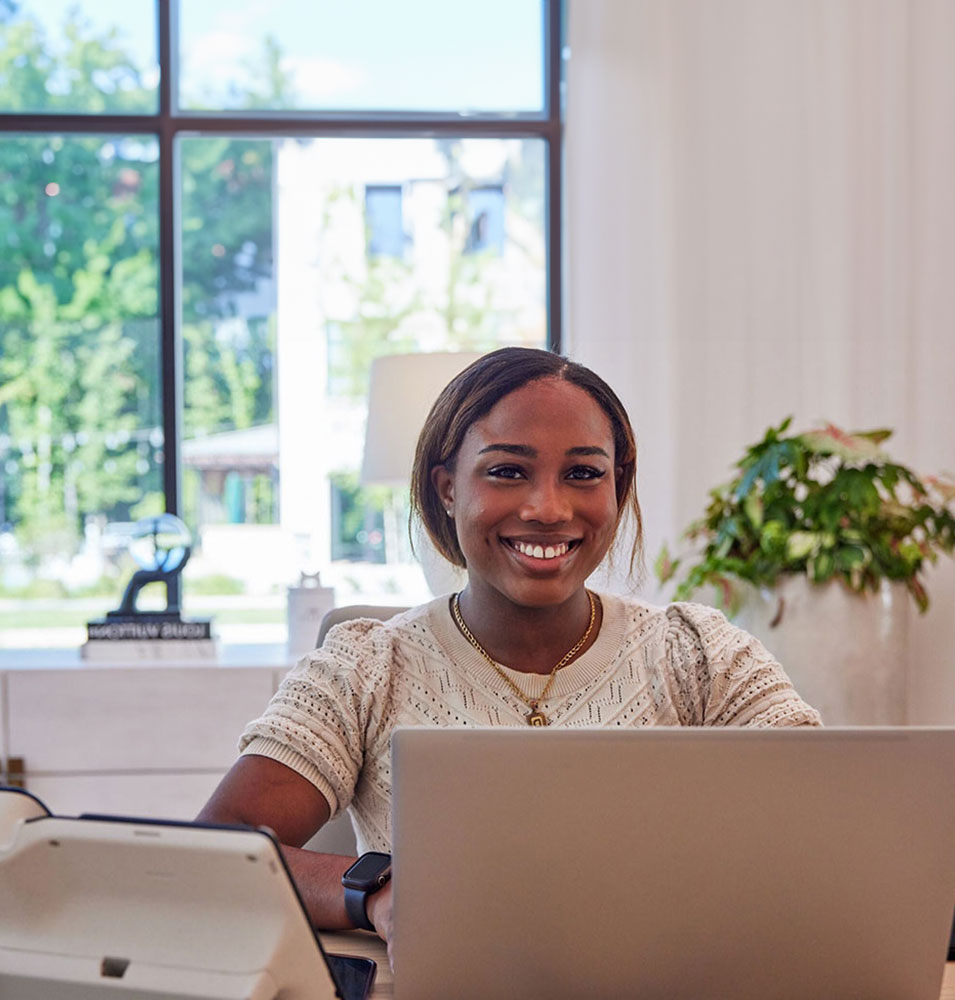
pixel 367 870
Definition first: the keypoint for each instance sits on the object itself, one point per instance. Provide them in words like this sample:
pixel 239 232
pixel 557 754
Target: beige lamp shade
pixel 402 390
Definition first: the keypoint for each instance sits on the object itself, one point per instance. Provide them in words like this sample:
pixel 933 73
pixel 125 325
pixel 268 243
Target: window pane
pixel 58 56
pixel 80 428
pixel 302 261
pixel 376 55
pixel 383 215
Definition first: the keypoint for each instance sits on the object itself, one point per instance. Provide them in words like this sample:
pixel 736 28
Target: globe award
pixel 161 546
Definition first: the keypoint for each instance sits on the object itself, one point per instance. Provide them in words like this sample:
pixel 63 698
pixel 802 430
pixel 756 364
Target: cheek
pixel 476 506
pixel 604 512
pixel 476 522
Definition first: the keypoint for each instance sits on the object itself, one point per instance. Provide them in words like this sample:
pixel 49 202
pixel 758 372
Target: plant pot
pixel 845 652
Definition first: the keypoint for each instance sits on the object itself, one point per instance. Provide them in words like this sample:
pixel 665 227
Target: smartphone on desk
pixel 354 976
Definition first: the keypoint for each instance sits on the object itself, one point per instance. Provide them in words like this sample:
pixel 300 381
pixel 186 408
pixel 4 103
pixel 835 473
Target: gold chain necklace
pixel 535 717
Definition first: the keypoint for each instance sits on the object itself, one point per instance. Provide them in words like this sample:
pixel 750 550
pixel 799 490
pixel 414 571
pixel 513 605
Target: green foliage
pixel 826 504
pixel 78 290
pixel 215 584
pixel 79 334
pixel 361 507
pixel 80 418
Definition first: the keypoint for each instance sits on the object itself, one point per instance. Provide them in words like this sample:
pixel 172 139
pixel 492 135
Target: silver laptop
pixel 97 907
pixel 673 863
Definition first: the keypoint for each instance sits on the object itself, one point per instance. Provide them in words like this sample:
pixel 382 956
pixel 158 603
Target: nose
pixel 546 503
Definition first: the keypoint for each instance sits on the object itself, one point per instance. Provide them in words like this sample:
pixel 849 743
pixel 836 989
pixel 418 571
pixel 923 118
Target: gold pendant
pixel 536 718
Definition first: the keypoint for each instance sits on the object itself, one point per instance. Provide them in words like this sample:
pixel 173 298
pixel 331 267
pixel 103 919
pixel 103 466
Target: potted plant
pixel 813 522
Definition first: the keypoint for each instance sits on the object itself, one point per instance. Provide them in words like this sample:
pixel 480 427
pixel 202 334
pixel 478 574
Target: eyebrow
pixel 526 451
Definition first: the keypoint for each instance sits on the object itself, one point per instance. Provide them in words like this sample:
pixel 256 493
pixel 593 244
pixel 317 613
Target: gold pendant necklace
pixel 535 717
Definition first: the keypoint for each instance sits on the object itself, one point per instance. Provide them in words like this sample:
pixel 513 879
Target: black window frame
pixel 168 124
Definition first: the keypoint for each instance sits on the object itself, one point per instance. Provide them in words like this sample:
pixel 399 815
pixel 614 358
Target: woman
pixel 524 472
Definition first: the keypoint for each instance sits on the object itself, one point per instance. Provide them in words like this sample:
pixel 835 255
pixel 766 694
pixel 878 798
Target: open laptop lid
pixel 95 907
pixel 673 863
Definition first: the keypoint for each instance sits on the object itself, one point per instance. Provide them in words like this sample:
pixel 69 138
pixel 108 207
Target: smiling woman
pixel 523 475
pixel 473 395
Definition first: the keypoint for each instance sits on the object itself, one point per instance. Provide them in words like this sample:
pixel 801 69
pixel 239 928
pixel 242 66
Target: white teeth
pixel 539 552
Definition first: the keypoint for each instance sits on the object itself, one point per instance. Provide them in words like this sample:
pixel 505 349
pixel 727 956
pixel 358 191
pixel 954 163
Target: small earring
pixel 447 511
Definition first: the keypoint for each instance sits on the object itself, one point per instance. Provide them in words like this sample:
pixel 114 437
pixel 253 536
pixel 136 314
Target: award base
pixel 149 637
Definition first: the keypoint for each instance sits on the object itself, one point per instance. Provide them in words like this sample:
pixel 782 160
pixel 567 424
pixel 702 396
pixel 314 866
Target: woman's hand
pixel 378 908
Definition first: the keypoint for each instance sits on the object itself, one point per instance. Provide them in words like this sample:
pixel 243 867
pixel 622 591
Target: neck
pixel 529 639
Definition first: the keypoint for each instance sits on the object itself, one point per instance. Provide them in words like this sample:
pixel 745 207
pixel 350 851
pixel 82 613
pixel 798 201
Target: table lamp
pixel 402 389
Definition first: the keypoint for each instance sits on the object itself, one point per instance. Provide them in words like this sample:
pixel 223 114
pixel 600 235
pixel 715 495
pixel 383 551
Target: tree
pixel 227 247
pixel 79 336
pixel 77 294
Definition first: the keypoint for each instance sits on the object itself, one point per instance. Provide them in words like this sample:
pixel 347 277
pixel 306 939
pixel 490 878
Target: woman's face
pixel 533 494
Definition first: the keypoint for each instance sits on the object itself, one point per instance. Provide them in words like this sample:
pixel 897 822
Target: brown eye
pixel 506 472
pixel 585 472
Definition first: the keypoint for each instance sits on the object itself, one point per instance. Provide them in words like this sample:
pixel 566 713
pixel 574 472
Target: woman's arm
pixel 259 791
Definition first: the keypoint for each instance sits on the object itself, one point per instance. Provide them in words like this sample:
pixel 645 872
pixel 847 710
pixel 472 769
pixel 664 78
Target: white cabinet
pixel 149 741
pixel 146 741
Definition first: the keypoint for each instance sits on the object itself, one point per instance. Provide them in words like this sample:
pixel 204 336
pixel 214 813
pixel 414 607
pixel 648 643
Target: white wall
pixel 761 221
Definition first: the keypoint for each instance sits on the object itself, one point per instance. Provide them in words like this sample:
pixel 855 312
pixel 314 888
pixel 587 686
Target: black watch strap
pixel 355 900
pixel 366 876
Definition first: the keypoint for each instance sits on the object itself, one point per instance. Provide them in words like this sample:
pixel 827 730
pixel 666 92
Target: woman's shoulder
pixel 681 621
pixel 707 626
pixel 637 611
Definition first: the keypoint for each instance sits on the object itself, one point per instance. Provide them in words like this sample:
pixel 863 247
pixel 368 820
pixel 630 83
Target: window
pixel 197 272
pixel 485 220
pixel 383 219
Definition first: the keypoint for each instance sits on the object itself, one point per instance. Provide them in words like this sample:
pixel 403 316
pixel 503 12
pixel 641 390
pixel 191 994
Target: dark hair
pixel 472 394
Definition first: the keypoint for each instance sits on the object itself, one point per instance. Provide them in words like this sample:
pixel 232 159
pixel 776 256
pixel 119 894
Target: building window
pixel 312 162
pixel 485 212
pixel 383 220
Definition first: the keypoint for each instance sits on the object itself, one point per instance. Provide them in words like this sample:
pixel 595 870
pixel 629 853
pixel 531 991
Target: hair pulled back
pixel 472 394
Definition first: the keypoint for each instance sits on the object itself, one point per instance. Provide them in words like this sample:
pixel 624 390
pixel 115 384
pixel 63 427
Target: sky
pixel 441 55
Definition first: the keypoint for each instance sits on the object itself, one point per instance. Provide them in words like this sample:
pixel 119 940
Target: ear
pixel 443 483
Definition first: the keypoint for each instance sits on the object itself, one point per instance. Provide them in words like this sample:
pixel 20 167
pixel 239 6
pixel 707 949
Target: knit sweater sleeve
pixel 327 709
pixel 725 677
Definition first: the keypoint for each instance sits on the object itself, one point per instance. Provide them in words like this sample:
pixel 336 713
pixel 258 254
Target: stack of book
pixel 146 636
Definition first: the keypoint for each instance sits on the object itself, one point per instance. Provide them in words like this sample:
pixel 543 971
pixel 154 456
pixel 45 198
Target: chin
pixel 542 593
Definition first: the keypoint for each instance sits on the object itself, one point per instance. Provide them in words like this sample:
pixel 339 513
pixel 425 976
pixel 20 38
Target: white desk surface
pixel 231 655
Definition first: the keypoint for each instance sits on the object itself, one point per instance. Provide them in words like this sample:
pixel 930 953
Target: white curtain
pixel 760 198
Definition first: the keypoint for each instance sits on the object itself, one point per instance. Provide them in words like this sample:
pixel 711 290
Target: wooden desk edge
pixel 363 944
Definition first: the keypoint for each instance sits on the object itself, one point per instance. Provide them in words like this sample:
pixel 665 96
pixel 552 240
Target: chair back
pixel 350 611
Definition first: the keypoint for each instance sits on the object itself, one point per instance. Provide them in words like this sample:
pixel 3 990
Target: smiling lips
pixel 536 551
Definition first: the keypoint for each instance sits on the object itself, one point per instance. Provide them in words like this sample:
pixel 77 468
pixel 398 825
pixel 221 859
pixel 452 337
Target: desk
pixel 368 946
pixel 363 944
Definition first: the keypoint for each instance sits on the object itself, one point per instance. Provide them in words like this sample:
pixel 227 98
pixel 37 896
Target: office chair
pixel 344 614
pixel 338 837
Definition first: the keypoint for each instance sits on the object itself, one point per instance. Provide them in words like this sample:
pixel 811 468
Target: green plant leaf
pixel 753 505
pixel 665 567
pixel 801 543
pixel 875 436
pixel 824 503
pixel 821 567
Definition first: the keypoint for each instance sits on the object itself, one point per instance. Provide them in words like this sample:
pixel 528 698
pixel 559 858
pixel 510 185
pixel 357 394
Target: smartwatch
pixel 365 877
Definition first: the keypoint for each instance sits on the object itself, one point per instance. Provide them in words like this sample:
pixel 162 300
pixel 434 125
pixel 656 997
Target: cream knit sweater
pixel 332 717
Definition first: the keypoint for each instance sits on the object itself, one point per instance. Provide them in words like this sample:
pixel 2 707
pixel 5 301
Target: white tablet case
pixel 97 907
